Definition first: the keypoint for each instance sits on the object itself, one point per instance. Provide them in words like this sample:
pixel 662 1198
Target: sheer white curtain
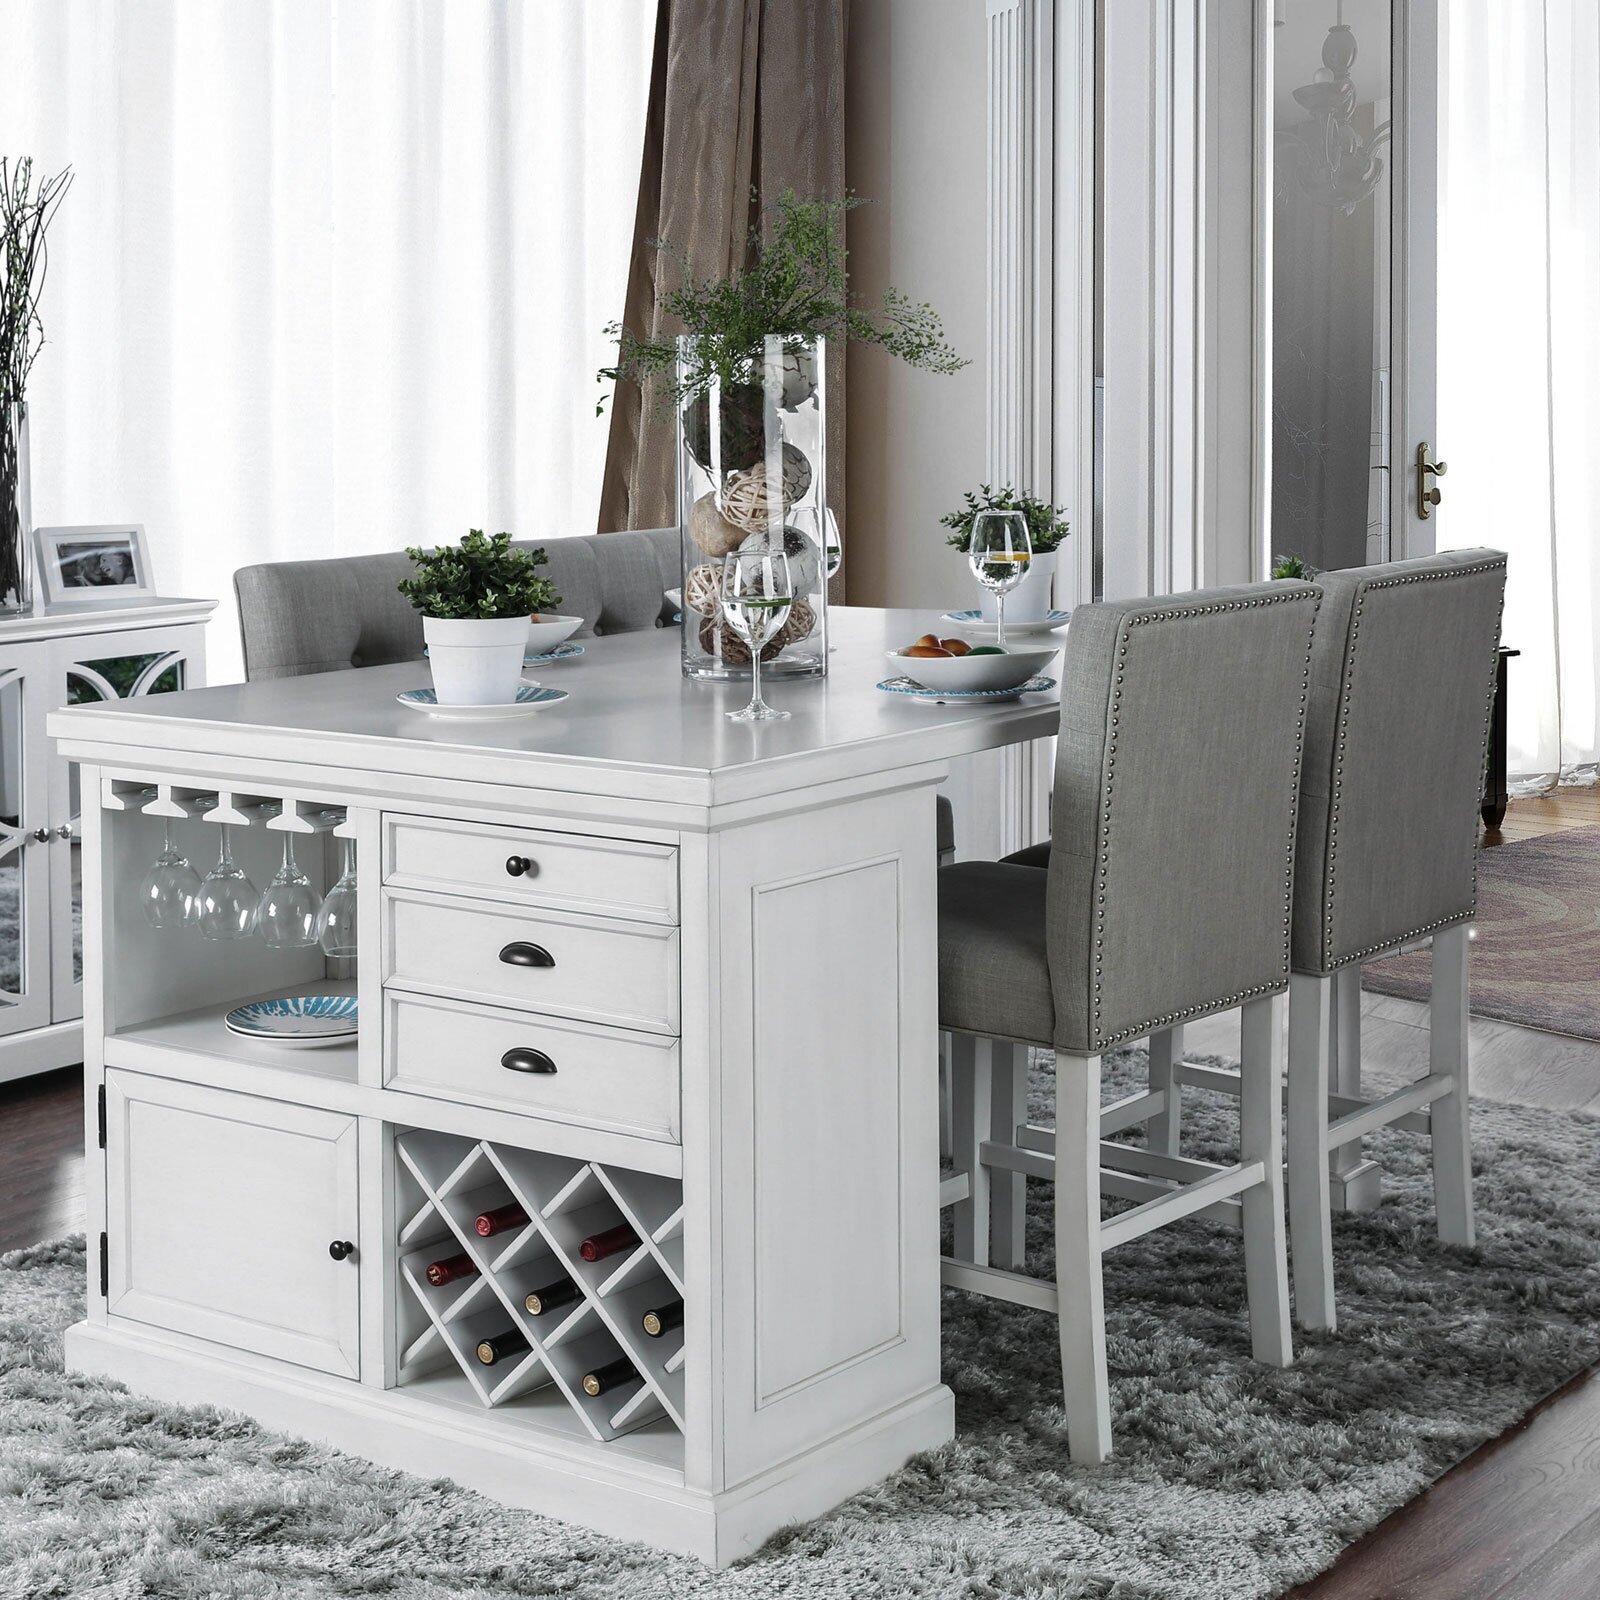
pixel 332 274
pixel 1519 351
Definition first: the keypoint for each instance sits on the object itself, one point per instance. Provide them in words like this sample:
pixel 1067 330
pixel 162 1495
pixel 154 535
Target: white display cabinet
pixel 73 655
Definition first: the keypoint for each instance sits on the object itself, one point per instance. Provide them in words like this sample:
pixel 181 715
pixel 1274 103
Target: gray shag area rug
pixel 1231 1481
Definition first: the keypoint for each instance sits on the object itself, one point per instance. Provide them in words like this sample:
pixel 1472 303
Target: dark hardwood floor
pixel 1519 1519
pixel 41 1157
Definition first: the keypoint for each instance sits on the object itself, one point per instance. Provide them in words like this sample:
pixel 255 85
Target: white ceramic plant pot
pixel 476 661
pixel 1030 600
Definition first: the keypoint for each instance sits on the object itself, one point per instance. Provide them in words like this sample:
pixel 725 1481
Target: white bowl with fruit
pixel 955 666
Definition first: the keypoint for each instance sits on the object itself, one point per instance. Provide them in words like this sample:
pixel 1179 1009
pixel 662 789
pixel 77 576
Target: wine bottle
pixel 451 1268
pixel 663 1318
pixel 551 1296
pixel 501 1346
pixel 500 1219
pixel 610 1376
pixel 600 1245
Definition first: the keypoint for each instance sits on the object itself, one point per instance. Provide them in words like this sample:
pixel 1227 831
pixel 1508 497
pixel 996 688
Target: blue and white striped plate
pixel 562 652
pixel 301 1020
pixel 913 690
pixel 530 697
pixel 974 621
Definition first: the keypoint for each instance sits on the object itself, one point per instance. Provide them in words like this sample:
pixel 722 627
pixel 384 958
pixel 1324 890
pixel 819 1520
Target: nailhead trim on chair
pixel 1330 962
pixel 1103 1041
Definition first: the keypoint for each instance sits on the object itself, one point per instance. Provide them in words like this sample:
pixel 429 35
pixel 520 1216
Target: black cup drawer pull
pixel 523 1059
pixel 522 954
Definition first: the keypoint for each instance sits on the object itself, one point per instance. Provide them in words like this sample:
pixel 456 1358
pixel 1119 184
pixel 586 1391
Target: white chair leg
pixel 1310 1219
pixel 946 1131
pixel 1266 1256
pixel 1447 1052
pixel 1166 1051
pixel 1008 1191
pixel 1086 1388
pixel 970 1098
pixel 1355 1184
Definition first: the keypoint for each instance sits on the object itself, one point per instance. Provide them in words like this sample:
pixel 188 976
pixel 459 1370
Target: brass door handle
pixel 1428 495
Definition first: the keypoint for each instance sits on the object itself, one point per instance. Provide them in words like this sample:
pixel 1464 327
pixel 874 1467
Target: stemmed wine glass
pixel 999 553
pixel 287 915
pixel 336 924
pixel 224 906
pixel 169 886
pixel 757 592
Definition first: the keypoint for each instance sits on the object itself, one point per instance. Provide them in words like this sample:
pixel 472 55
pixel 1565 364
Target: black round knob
pixel 340 1248
pixel 516 866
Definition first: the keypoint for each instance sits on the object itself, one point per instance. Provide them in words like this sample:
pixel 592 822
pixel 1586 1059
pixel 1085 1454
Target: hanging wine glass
pixel 169 886
pixel 224 906
pixel 288 913
pixel 336 925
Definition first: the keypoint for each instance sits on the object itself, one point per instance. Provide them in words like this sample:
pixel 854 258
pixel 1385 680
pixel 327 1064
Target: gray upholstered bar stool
pixel 1167 896
pixel 321 616
pixel 1402 684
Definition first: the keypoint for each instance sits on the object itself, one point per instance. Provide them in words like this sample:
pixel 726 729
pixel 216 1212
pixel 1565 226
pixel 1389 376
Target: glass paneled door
pixel 1354 150
pixel 118 666
pixel 24 856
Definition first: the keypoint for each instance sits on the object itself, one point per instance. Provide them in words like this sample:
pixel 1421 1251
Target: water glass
pixel 757 592
pixel 336 924
pixel 999 554
pixel 225 905
pixel 287 915
pixel 169 887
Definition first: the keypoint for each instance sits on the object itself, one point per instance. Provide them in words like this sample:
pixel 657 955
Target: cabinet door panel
pixel 221 1208
pixel 24 860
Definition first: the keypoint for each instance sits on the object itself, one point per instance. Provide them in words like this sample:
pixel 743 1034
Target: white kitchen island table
pixel 623 965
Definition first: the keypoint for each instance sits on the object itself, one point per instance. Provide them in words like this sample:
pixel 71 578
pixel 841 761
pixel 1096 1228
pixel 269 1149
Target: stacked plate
pixel 301 1021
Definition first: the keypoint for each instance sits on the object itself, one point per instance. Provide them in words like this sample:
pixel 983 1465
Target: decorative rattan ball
pixel 745 500
pixel 701 592
pixel 723 642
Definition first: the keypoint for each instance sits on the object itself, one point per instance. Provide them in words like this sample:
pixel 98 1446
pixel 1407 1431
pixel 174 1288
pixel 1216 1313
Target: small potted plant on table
pixel 1047 527
pixel 477 600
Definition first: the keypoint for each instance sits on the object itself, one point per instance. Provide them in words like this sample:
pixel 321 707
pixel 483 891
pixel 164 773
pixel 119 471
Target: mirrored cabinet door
pixel 24 857
pixel 111 667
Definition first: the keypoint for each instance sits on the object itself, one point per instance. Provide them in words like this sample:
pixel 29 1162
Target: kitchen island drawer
pixel 530 866
pixel 568 1071
pixel 624 974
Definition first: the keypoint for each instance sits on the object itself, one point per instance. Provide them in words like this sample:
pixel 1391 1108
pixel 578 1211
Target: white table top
pixel 633 727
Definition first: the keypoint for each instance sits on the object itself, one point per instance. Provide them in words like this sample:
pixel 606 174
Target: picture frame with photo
pixel 100 564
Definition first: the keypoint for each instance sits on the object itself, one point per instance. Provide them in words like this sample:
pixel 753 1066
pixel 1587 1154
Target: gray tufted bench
pixel 297 617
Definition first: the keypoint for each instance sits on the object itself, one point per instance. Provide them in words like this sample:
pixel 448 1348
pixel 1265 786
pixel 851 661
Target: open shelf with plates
pixel 173 986
pixel 445 1183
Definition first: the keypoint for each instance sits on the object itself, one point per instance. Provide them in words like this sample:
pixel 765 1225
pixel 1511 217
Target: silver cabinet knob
pixel 40 835
pixel 64 831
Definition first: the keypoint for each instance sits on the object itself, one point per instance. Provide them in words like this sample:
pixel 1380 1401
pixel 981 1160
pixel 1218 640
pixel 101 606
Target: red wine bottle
pixel 551 1296
pixel 489 1223
pixel 611 1376
pixel 501 1346
pixel 451 1268
pixel 663 1318
pixel 600 1245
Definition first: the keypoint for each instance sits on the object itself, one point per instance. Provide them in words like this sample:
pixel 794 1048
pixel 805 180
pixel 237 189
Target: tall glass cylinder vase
pixel 16 513
pixel 735 440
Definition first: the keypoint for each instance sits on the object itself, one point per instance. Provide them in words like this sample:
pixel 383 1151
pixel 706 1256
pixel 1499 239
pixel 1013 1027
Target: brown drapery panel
pixel 743 94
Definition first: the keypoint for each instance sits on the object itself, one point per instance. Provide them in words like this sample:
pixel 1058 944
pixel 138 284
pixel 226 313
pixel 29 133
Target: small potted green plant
pixel 477 600
pixel 1047 527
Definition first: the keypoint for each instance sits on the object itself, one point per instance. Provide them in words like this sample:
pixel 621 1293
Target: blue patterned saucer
pixel 301 1021
pixel 562 652
pixel 530 698
pixel 975 622
pixel 913 690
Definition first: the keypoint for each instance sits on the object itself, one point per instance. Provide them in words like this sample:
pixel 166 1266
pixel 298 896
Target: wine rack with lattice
pixel 446 1182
